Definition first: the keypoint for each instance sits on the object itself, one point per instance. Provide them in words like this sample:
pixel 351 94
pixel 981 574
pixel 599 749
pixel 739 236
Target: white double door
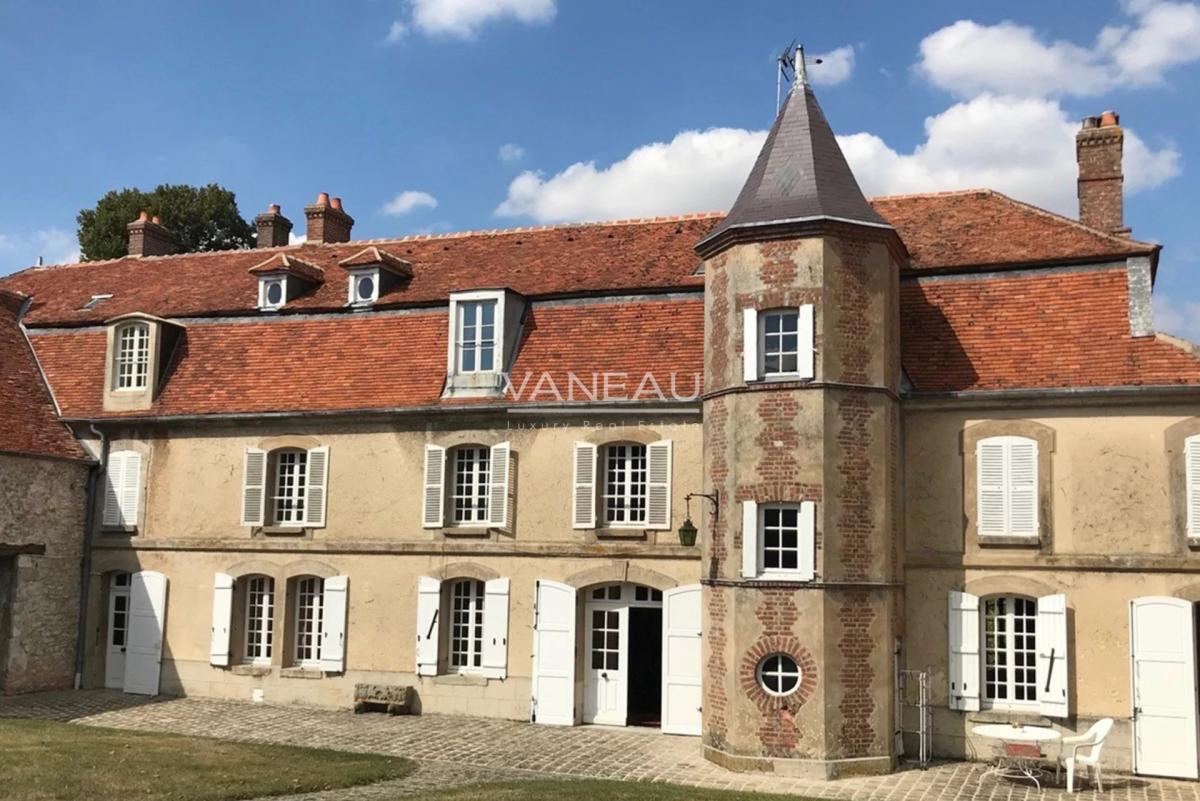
pixel 136 614
pixel 1163 648
pixel 605 681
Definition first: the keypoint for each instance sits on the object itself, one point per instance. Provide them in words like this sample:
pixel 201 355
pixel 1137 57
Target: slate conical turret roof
pixel 800 176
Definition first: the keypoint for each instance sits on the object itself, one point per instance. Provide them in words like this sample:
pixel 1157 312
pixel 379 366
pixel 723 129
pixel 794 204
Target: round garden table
pixel 1019 755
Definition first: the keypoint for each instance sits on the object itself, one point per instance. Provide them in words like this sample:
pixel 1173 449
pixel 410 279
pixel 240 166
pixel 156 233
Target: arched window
pixel 308 618
pixel 132 358
pixel 1010 651
pixel 260 618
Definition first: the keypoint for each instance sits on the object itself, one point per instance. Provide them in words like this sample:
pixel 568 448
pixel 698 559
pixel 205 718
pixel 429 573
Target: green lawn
pixel 590 791
pixel 43 761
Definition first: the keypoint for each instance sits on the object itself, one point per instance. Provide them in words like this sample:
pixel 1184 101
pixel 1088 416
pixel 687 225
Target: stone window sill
pixel 1008 541
pixel 622 533
pixel 461 680
pixel 301 673
pixel 118 531
pixel 250 669
pixel 1027 717
pixel 466 533
pixel 283 531
pixel 1194 543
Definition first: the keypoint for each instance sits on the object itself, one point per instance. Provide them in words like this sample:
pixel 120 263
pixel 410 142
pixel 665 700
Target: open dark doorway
pixel 645 666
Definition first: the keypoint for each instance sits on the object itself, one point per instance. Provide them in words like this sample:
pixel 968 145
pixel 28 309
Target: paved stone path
pixel 453 751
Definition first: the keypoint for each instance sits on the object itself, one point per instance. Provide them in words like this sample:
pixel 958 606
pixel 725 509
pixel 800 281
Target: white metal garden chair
pixel 1084 750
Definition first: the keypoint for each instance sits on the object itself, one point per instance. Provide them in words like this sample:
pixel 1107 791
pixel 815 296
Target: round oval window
pixel 779 674
pixel 274 294
pixel 366 288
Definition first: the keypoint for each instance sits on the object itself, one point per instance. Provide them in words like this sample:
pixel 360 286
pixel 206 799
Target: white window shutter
pixel 806 361
pixel 334 608
pixel 501 486
pixel 658 487
pixel 435 487
pixel 113 476
pixel 222 617
pixel 990 511
pixel 964 651
pixel 806 564
pixel 1053 666
pixel 495 628
pixel 1192 480
pixel 750 539
pixel 750 344
pixel 583 501
pixel 254 487
pixel 429 603
pixel 1022 488
pixel 316 488
pixel 131 486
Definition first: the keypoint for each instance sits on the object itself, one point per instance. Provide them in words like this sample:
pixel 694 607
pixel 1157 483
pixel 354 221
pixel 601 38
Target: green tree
pixel 199 217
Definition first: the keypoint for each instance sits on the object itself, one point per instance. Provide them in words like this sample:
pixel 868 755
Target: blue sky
pixel 436 115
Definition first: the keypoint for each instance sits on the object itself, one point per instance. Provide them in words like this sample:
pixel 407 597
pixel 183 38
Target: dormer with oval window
pixel 139 349
pixel 372 273
pixel 283 278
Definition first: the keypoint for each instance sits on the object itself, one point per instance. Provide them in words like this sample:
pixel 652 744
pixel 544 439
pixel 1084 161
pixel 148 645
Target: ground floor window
pixel 307 633
pixel 779 674
pixel 466 624
pixel 260 618
pixel 1010 650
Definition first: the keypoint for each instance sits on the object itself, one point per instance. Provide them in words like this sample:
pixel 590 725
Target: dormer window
pixel 133 356
pixel 272 293
pixel 477 336
pixel 484 328
pixel 364 288
pixel 282 278
pixel 373 272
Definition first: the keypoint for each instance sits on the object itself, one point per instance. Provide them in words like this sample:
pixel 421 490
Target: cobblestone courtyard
pixel 453 751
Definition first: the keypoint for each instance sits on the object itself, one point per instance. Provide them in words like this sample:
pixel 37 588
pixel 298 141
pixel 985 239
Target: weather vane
pixel 791 66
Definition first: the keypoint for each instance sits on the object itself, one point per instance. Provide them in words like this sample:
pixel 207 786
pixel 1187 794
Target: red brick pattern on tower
pixel 777 729
pixel 857 736
pixel 715 699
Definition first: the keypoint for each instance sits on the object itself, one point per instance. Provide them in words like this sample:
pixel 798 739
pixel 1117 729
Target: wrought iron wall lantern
pixel 688 531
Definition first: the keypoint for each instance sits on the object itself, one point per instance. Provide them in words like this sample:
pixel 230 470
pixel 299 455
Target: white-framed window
pixel 1007 476
pixel 272 292
pixel 290 485
pixel 363 287
pixel 1191 451
pixel 779 542
pixel 779 675
pixel 132 362
pixel 1010 651
pixel 466 625
pixel 624 498
pixel 780 342
pixel 260 619
pixel 475 353
pixel 472 481
pixel 477 336
pixel 122 489
pixel 306 633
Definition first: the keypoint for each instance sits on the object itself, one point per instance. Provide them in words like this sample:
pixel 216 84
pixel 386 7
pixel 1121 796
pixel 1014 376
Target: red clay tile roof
pixel 28 421
pixel 983 228
pixel 381 361
pixel 1040 330
pixel 290 264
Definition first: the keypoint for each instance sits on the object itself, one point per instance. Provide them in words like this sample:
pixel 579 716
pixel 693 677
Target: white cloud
pixel 1022 147
pixel 296 239
pixel 462 19
pixel 835 67
pixel 53 245
pixel 1179 318
pixel 967 58
pixel 510 152
pixel 396 33
pixel 407 201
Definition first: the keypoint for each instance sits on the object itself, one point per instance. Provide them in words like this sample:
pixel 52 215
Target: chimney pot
pixel 273 228
pixel 1109 118
pixel 322 198
pixel 273 208
pixel 328 222
pixel 336 203
pixel 1098 151
pixel 145 215
pixel 147 237
pixel 156 220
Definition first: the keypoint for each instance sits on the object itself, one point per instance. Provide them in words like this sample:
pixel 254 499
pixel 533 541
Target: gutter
pixel 85 566
pixel 1148 393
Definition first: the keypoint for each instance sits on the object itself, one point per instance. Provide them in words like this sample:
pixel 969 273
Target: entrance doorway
pixel 1162 634
pixel 118 630
pixel 622 681
pixel 645 666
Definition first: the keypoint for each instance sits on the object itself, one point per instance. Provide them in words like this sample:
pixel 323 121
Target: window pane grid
pixel 291 469
pixel 466 625
pixel 472 473
pixel 260 617
pixel 781 538
pixel 476 336
pixel 606 639
pixel 781 337
pixel 625 484
pixel 1010 650
pixel 308 619
pixel 779 674
pixel 133 356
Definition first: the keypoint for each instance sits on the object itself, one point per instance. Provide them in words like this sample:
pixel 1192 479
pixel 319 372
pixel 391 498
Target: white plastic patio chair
pixel 1084 750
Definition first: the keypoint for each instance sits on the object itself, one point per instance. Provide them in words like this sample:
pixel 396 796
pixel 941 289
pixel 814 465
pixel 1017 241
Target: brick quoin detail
pixel 856 525
pixel 778 439
pixel 777 611
pixel 719 345
pixel 777 725
pixel 778 270
pixel 716 424
pixel 857 735
pixel 778 492
pixel 853 301
pixel 715 700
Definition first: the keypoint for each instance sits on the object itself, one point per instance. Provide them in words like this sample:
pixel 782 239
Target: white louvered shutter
pixel 334 607
pixel 658 488
pixel 1053 666
pixel 583 500
pixel 963 631
pixel 495 628
pixel 254 487
pixel 499 490
pixel 435 487
pixel 316 488
pixel 1022 487
pixel 806 564
pixel 989 455
pixel 750 344
pixel 429 602
pixel 222 617
pixel 749 539
pixel 113 473
pixel 1191 452
pixel 806 358
pixel 131 486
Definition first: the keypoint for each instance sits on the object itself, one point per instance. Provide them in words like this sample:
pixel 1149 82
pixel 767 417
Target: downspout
pixel 85 570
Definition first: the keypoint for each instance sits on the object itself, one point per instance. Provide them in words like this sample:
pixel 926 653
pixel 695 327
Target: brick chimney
pixel 1098 148
pixel 273 228
pixel 326 220
pixel 147 237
